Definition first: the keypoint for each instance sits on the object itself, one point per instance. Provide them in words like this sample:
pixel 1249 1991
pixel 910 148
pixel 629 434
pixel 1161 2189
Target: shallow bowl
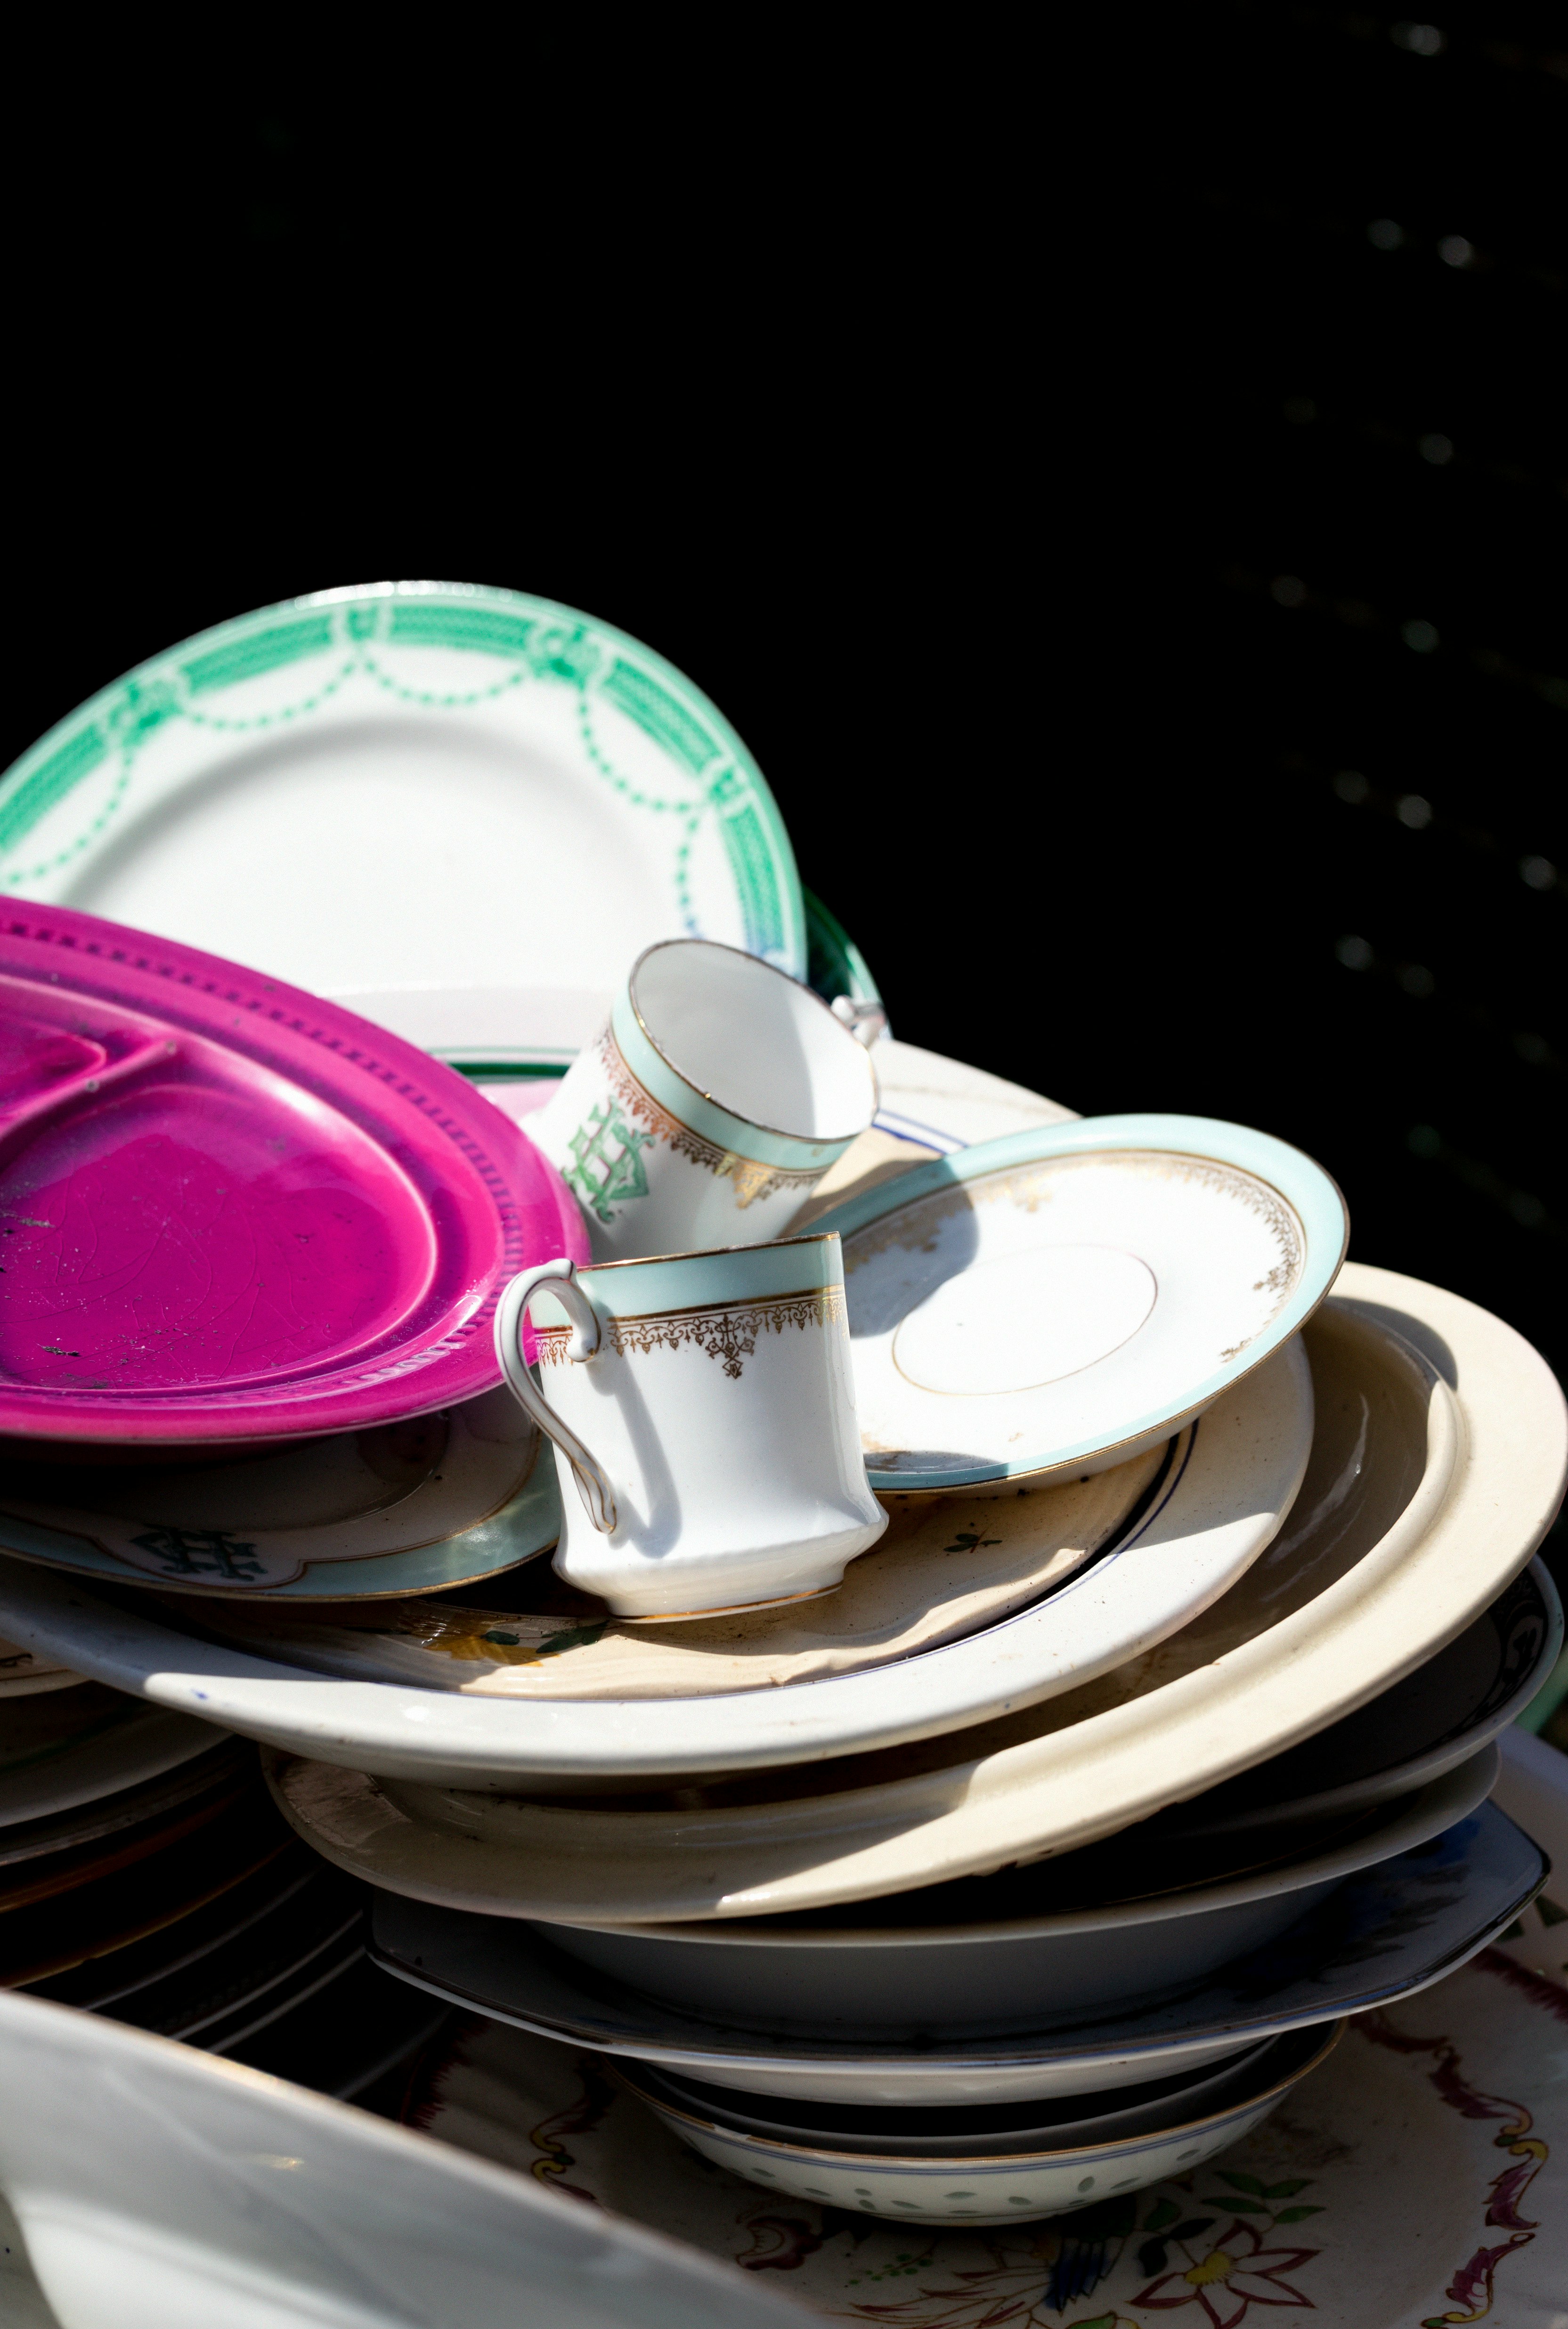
pixel 1007 2187
pixel 999 1953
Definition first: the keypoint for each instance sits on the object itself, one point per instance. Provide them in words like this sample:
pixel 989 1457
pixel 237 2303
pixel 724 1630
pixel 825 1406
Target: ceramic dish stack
pixel 1040 1856
pixel 1236 1727
pixel 145 1875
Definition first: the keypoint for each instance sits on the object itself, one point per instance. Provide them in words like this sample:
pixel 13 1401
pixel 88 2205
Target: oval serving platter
pixel 353 786
pixel 1062 1297
pixel 229 1210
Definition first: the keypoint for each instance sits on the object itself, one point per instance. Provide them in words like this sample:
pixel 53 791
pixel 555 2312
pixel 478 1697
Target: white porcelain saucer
pixel 1385 1933
pixel 1231 1482
pixel 1063 1298
pixel 443 1500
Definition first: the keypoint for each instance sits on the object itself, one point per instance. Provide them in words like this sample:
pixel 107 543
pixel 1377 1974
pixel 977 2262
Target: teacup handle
pixel 561 1278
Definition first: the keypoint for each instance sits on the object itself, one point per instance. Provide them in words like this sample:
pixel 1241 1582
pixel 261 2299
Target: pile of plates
pixel 145 1875
pixel 1044 1858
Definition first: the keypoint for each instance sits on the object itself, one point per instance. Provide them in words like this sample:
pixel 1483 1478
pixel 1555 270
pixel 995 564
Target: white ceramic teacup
pixel 710 1108
pixel 703 1403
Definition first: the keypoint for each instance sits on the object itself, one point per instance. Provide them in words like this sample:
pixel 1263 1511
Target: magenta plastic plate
pixel 229 1210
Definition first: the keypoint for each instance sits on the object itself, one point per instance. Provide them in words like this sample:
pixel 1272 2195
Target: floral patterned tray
pixel 1419 2178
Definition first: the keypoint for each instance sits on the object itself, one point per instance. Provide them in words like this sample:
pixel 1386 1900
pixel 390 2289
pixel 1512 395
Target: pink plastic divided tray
pixel 229 1210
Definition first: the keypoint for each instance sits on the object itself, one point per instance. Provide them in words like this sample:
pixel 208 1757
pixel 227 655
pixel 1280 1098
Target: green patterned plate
pixel 406 788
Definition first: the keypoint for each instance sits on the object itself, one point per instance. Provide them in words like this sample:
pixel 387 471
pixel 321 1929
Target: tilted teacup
pixel 710 1108
pixel 703 1405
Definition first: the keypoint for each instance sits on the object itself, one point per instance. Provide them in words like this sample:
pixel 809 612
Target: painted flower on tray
pixel 1237 2273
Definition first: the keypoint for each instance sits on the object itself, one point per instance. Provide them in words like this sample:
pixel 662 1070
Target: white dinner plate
pixel 1385 1933
pixel 1231 1479
pixel 408 786
pixel 1061 1299
pixel 446 1499
pixel 159 2188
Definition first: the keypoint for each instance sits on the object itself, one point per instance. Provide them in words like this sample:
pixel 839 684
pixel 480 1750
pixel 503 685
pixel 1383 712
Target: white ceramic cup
pixel 709 1108
pixel 703 1411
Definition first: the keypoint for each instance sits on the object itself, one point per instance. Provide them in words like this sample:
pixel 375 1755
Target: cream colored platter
pixel 1420 1504
pixel 404 1508
pixel 1230 1484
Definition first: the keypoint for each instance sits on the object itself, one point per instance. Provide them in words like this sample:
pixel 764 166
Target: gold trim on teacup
pixel 751 1179
pixel 724 1330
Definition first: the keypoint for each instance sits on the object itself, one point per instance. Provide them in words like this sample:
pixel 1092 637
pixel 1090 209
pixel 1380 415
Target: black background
pixel 1142 584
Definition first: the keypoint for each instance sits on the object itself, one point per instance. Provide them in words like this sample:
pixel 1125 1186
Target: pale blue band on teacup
pixel 687 1281
pixel 704 1116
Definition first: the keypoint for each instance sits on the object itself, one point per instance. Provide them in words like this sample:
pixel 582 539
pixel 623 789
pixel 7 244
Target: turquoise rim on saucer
pixel 1311 1191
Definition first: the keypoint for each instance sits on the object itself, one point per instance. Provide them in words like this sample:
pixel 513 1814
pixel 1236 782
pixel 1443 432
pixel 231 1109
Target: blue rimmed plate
pixel 1057 1300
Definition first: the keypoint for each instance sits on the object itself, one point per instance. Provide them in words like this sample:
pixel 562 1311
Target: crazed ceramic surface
pixel 1417 2178
pixel 1048 1299
pixel 230 1209
pixel 265 790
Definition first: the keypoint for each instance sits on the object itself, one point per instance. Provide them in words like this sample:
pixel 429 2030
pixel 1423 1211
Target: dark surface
pixel 1055 543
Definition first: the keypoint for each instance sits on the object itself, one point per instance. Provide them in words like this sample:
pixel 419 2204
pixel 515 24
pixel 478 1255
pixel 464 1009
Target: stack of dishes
pixel 146 1876
pixel 1041 1858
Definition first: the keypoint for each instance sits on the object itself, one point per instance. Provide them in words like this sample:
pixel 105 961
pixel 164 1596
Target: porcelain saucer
pixel 1063 1298
pixel 1385 1933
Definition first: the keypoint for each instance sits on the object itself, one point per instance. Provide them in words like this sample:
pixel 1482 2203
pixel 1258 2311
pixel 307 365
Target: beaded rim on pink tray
pixel 230 1211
